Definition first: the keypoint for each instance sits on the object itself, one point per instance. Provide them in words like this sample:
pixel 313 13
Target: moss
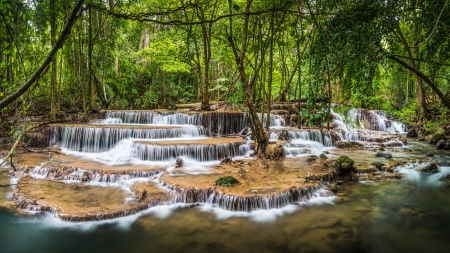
pixel 227 181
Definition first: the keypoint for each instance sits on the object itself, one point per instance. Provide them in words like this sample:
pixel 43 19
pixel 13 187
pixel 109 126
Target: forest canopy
pixel 390 55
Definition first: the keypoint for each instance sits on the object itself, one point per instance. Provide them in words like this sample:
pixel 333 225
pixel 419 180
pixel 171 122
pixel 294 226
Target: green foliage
pixel 227 181
pixel 312 117
pixel 408 114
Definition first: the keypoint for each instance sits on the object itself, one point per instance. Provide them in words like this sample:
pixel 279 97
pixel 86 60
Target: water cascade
pixel 100 139
pixel 154 118
pixel 307 142
pixel 199 152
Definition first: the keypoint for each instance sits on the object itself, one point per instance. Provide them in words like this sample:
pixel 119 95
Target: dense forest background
pixel 391 55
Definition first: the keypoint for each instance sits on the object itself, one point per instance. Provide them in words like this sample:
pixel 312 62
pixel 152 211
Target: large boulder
pixel 344 165
pixel 385 155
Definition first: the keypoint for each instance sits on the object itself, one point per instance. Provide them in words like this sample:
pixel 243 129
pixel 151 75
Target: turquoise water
pixel 412 215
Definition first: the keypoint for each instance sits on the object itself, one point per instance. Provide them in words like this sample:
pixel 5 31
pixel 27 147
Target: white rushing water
pixel 412 173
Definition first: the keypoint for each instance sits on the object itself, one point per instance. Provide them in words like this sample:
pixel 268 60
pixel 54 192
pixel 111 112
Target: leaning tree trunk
pixel 59 43
pixel 259 134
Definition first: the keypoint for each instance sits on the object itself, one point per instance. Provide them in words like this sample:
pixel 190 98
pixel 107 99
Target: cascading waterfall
pixel 101 139
pixel 245 203
pixel 380 116
pixel 307 142
pixel 201 153
pixel 273 136
pixel 350 133
pixel 156 118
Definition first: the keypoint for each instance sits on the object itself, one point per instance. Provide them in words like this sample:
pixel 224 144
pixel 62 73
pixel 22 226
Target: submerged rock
pixel 311 158
pixel 412 212
pixel 323 156
pixel 344 165
pixel 379 166
pixel 432 168
pixel 385 155
pixel 430 155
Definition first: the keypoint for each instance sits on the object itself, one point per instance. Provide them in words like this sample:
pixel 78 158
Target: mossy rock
pixel 344 164
pixel 227 181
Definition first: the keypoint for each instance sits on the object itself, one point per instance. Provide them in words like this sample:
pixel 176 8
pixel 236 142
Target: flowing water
pixel 404 216
pixel 409 215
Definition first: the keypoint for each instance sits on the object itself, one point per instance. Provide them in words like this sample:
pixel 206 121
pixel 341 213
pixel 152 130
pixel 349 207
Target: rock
pixel 443 145
pixel 274 151
pixel 410 211
pixel 348 144
pixel 432 168
pixel 311 158
pixel 326 152
pixel 379 166
pixel 412 133
pixel 430 155
pixel 435 138
pixel 334 188
pixel 226 160
pixel 344 165
pixel 179 162
pixel 323 156
pixel 142 195
pixel 385 155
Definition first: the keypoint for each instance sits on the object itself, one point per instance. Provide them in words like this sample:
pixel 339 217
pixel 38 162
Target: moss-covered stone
pixel 227 181
pixel 344 165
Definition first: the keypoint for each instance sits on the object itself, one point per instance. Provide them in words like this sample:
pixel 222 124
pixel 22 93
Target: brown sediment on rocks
pixel 67 172
pixel 79 202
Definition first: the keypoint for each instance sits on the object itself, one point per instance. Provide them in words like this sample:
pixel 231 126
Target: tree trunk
pixel 258 132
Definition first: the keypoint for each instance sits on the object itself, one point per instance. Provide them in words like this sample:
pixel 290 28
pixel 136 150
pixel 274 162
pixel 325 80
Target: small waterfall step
pixel 152 117
pixel 201 150
pixel 96 138
pixel 216 123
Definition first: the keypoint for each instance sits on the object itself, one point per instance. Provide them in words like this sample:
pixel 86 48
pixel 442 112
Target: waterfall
pixel 100 139
pixel 397 127
pixel 273 136
pixel 351 134
pixel 155 118
pixel 307 142
pixel 201 153
pixel 381 120
pixel 245 203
